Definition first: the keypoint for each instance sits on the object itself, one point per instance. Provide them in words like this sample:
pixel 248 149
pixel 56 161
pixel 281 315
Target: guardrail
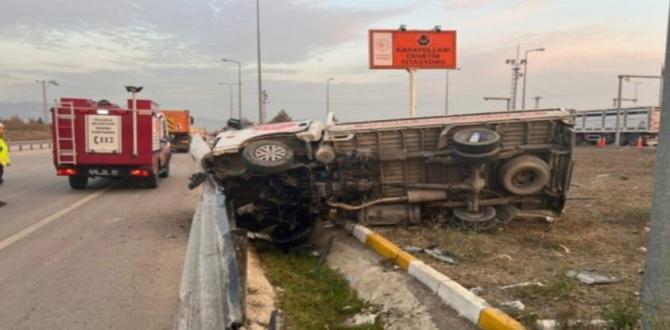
pixel 212 290
pixel 29 145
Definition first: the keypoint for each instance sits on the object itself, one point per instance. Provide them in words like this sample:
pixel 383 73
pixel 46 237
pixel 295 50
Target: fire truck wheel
pixel 152 181
pixel 78 181
pixel 524 175
pixel 267 157
pixel 476 140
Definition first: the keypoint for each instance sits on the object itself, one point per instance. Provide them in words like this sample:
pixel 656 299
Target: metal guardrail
pixel 29 145
pixel 212 290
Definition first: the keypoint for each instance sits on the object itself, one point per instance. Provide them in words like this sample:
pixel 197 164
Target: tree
pixel 281 117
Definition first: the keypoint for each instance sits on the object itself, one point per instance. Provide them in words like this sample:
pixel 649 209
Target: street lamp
pixel 493 98
pixel 446 92
pixel 261 114
pixel 525 75
pixel 231 96
pixel 239 85
pixel 45 107
pixel 636 83
pixel 617 134
pixel 328 80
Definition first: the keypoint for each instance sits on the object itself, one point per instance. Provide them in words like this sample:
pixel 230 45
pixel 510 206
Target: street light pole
pixel 515 75
pixel 492 98
pixel 230 85
pixel 45 106
pixel 328 80
pixel 525 75
pixel 655 297
pixel 617 129
pixel 261 115
pixel 239 86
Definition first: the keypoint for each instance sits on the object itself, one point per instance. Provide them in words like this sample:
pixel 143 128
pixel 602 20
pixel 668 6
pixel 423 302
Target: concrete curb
pixel 467 304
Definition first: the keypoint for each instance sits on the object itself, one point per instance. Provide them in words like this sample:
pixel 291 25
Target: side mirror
pixel 191 120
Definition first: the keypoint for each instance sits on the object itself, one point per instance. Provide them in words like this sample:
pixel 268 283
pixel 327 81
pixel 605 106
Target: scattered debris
pixel 598 177
pixel 565 248
pixel 435 253
pixel 642 249
pixel 504 256
pixel 477 290
pixel 522 284
pixel 579 185
pixel 591 277
pixel 362 319
pixel 513 307
pixel 581 324
pixel 171 236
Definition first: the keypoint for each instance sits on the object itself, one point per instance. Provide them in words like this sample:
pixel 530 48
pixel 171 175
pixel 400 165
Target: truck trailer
pixel 179 126
pixel 101 139
pixel 634 123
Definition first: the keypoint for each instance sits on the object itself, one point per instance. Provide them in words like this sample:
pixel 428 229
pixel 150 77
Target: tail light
pixel 66 171
pixel 139 173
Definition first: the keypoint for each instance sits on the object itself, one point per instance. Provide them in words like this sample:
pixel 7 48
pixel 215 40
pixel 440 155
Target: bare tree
pixel 281 117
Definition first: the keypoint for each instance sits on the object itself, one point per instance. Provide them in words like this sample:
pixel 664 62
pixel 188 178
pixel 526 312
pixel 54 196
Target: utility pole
pixel 45 105
pixel 655 299
pixel 537 101
pixel 516 67
pixel 261 113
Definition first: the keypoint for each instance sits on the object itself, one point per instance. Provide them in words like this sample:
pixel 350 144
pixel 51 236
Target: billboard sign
pixel 412 49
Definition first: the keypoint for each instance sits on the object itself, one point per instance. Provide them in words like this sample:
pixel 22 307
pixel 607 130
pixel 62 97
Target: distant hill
pixel 24 110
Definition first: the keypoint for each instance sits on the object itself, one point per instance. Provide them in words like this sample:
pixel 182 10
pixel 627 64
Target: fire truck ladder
pixel 66 151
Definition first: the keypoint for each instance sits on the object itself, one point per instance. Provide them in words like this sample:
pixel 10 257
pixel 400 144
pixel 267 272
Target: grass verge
pixel 311 298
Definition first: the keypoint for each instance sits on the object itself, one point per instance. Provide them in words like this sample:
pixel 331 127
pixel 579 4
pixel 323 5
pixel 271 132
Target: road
pixel 108 257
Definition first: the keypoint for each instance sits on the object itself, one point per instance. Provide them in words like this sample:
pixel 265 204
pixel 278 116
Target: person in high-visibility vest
pixel 4 156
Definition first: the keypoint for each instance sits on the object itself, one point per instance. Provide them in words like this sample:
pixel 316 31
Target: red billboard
pixel 412 49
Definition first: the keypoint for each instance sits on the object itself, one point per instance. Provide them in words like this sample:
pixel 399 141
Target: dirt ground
pixel 606 234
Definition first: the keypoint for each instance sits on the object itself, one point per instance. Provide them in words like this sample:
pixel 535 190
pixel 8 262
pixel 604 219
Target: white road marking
pixel 36 226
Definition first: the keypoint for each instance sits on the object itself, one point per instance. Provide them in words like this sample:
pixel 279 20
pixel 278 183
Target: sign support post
pixel 412 92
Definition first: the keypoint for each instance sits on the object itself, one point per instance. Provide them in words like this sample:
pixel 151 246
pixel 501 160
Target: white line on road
pixel 36 226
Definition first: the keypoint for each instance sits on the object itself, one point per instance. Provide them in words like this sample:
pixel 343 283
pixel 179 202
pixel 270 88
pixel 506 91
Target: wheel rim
pixel 270 152
pixel 524 178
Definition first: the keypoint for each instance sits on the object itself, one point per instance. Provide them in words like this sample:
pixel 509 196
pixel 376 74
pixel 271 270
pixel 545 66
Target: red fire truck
pixel 101 139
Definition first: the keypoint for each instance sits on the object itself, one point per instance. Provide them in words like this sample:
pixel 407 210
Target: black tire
pixel 78 182
pixel 152 181
pixel 267 157
pixel 285 238
pixel 476 158
pixel 476 140
pixel 165 172
pixel 524 175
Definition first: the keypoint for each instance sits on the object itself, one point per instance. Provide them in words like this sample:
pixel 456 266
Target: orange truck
pixel 179 126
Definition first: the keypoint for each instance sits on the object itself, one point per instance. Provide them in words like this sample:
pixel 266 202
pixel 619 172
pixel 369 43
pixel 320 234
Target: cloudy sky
pixel 174 48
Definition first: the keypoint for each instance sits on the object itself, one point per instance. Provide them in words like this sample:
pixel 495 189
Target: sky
pixel 173 48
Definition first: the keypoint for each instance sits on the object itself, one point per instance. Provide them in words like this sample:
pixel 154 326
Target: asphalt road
pixel 108 257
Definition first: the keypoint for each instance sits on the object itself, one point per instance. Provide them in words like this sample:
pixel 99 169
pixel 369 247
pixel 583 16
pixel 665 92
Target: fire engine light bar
pixel 102 111
pixel 66 172
pixel 139 173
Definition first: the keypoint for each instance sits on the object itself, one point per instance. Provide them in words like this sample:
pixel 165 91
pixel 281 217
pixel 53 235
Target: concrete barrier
pixel 29 145
pixel 464 302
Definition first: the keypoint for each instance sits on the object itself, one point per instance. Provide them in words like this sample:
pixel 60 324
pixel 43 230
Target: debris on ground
pixel 571 324
pixel 435 253
pixel 513 307
pixel 476 290
pixel 364 318
pixel 522 284
pixel 591 277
